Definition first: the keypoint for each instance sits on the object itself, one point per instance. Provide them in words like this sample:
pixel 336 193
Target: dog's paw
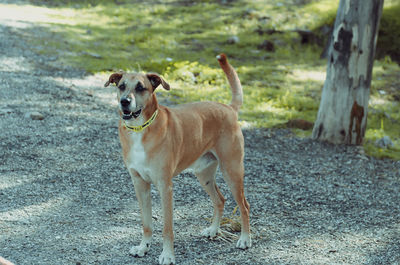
pixel 244 242
pixel 166 258
pixel 210 232
pixel 140 251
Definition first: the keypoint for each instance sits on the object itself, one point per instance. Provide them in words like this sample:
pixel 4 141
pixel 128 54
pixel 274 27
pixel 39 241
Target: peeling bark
pixel 342 114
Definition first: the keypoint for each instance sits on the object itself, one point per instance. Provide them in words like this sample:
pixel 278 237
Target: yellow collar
pixel 144 125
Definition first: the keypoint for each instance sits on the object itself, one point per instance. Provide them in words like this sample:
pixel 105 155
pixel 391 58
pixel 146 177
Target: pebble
pixel 267 46
pixel 233 40
pixel 34 115
pixel 92 54
pixel 5 111
pixel 384 142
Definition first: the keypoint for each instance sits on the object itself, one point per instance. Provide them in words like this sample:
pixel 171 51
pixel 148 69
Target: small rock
pixel 251 13
pixel 307 36
pixel 267 45
pixel 300 124
pixel 34 115
pixel 382 92
pixel 188 76
pixel 384 142
pixel 296 243
pixel 90 93
pixel 233 40
pixel 5 111
pixel 92 54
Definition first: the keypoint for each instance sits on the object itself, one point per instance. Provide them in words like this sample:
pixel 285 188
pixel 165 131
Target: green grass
pixel 384 115
pixel 181 39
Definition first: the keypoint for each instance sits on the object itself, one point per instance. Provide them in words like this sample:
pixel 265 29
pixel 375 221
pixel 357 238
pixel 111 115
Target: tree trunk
pixel 342 114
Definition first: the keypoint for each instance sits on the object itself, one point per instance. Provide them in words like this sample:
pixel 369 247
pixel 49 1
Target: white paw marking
pixel 166 258
pixel 210 232
pixel 244 242
pixel 140 251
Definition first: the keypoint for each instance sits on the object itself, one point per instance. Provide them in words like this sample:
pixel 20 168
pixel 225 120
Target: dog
pixel 3 261
pixel 159 142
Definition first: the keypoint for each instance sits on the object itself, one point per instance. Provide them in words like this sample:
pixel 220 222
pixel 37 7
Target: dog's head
pixel 135 91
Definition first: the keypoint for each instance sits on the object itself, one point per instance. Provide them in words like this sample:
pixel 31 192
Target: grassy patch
pixel 383 116
pixel 180 39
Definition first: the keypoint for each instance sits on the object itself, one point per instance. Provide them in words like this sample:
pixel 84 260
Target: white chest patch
pixel 137 158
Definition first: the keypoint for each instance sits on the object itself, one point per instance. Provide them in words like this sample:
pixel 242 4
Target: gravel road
pixel 66 198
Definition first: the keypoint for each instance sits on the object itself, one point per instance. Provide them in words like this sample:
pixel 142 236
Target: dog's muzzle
pixel 127 114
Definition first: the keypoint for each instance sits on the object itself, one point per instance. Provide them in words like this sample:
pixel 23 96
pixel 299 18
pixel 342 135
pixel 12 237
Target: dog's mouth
pixel 127 115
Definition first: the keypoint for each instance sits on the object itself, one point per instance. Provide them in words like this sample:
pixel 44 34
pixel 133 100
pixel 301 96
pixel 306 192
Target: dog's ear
pixel 156 80
pixel 114 78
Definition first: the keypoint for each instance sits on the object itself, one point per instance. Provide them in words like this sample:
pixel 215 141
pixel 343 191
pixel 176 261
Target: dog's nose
pixel 125 102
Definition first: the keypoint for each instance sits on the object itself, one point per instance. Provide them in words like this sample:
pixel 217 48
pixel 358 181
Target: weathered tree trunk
pixel 342 114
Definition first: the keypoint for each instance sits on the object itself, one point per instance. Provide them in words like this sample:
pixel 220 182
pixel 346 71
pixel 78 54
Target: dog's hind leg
pixel 142 190
pixel 205 169
pixel 231 164
pixel 233 175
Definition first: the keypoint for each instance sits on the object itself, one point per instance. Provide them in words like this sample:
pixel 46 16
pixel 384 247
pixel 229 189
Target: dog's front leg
pixel 165 188
pixel 142 190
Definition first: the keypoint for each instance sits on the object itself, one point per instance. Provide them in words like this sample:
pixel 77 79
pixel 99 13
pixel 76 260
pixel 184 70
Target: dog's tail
pixel 234 82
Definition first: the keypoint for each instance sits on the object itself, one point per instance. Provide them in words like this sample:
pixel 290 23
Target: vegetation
pixel 282 78
pixel 389 34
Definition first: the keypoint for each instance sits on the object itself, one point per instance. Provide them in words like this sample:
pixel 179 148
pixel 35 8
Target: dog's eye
pixel 140 87
pixel 122 87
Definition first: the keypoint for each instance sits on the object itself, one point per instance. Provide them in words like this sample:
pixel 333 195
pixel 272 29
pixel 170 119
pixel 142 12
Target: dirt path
pixel 66 198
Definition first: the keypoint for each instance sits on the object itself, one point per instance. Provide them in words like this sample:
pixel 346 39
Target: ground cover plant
pixel 282 74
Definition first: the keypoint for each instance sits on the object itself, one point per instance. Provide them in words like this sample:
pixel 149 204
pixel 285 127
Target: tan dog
pixel 159 142
pixel 3 261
